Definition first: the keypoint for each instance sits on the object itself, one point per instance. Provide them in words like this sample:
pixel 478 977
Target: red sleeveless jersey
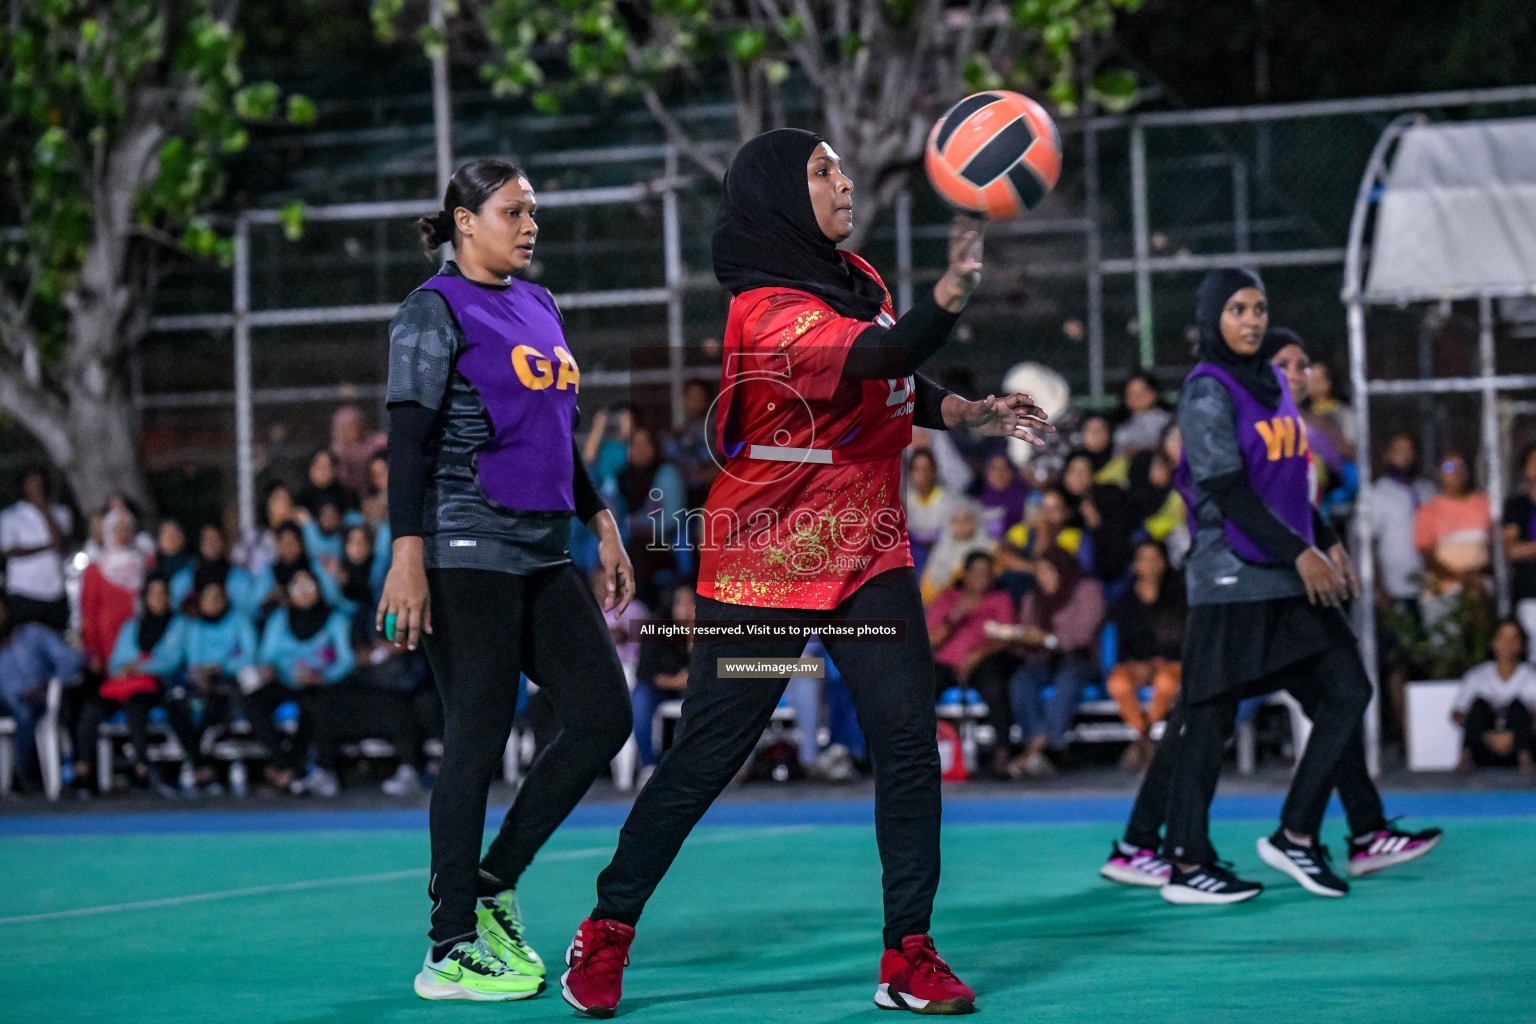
pixel 808 504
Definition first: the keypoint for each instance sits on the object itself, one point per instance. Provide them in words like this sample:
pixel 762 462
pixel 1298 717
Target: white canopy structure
pixel 1455 218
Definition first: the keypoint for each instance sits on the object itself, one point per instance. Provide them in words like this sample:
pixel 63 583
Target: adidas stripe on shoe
pixel 1134 865
pixel 1208 884
pixel 1309 865
pixel 1387 847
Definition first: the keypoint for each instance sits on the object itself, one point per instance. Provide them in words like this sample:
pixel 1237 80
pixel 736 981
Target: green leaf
pixel 748 44
pixel 792 29
pixel 777 72
pixel 546 102
pixel 291 217
pixel 1114 90
pixel 257 102
pixel 301 110
pixel 852 43
pixel 90 31
pixel 979 75
pixel 433 42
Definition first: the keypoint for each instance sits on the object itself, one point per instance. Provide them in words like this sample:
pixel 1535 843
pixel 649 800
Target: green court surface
pixel 761 923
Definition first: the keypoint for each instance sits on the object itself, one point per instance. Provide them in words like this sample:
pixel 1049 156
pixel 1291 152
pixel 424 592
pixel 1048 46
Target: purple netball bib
pixel 1274 447
pixel 516 357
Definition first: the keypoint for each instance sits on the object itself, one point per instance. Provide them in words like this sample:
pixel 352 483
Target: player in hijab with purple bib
pixel 484 479
pixel 1265 612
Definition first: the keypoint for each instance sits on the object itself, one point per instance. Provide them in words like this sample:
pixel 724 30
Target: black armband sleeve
pixel 1323 533
pixel 880 352
pixel 588 502
pixel 928 405
pixel 1243 507
pixel 410 425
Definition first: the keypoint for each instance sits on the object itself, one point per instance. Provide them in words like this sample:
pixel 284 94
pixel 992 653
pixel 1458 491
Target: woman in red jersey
pixel 818 399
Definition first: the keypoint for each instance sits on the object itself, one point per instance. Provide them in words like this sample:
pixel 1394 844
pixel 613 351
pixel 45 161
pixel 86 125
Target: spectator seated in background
pixel 661 675
pixel 964 654
pixel 171 555
pixel 220 644
pixel 354 579
pixel 257 548
pixel 1451 531
pixel 1056 641
pixel 353 445
pixel 33 534
pixel 1149 627
pixel 1520 543
pixel 1003 496
pixel 271 585
pixel 31 654
pixel 1495 703
pixel 1169 524
pixel 323 486
pixel 375 506
pixel 1053 523
pixel 1096 441
pixel 962 537
pixel 306 645
pixel 108 592
pixel 149 650
pixel 1110 521
pixel 690 449
pixel 324 535
pixel 213 566
pixel 928 505
pixel 1144 417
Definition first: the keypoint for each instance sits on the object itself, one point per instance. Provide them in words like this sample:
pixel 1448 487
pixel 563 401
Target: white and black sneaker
pixel 1209 884
pixel 1309 865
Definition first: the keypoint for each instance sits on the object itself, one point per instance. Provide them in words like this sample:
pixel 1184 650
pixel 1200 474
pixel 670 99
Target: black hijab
pixel 304 623
pixel 1145 496
pixel 152 627
pixel 1253 372
pixel 283 572
pixel 766 234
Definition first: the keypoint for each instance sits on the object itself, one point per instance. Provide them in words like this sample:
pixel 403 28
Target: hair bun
pixel 436 228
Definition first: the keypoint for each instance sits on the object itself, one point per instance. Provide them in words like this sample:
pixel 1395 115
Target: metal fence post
pixel 245 472
pixel 1493 451
pixel 1143 242
pixel 1240 227
pixel 903 252
pixel 672 241
pixel 442 107
pixel 1095 256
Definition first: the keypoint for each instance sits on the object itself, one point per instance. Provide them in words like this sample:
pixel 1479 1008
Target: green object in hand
pixel 389 627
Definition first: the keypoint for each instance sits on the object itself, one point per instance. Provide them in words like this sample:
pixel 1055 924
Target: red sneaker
pixel 914 978
pixel 597 958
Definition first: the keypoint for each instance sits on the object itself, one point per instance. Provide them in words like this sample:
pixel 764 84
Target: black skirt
pixel 1235 647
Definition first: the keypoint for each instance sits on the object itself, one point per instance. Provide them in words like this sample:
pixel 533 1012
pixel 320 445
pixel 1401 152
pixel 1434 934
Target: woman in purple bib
pixel 484 479
pixel 1265 613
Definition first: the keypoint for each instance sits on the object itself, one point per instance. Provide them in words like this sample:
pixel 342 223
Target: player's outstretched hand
pixel 1014 415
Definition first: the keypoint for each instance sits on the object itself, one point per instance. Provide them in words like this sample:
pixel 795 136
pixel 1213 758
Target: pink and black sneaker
pixel 1389 846
pixel 1135 865
pixel 914 978
pixel 597 958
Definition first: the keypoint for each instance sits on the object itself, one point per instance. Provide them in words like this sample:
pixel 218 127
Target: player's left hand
pixel 1014 415
pixel 1339 556
pixel 618 573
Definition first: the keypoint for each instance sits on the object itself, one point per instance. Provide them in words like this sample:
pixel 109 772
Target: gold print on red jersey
pixel 804 322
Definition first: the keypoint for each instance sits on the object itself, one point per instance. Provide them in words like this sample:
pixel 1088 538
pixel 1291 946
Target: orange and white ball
pixel 996 154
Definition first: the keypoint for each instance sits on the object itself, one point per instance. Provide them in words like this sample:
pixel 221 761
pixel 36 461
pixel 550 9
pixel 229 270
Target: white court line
pixel 328 883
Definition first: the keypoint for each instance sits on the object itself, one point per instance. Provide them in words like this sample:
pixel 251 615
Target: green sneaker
pixel 501 928
pixel 472 971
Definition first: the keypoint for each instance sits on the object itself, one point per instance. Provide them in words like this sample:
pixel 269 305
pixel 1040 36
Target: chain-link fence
pixel 1098 281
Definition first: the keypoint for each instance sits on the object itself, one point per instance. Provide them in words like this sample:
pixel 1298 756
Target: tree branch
pixel 680 138
pixel 43 413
